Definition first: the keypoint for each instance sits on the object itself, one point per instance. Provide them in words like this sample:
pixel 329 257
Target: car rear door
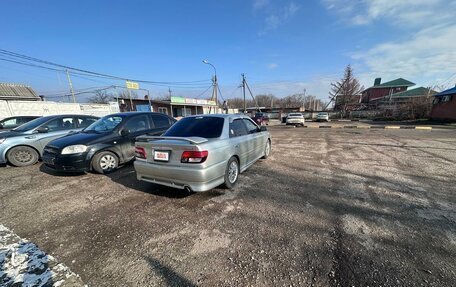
pixel 160 124
pixel 133 127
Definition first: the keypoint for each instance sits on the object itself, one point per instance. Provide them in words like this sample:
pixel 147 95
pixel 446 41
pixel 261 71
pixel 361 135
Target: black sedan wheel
pixel 105 162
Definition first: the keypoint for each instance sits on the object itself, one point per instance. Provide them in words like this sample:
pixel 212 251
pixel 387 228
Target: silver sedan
pixel 199 153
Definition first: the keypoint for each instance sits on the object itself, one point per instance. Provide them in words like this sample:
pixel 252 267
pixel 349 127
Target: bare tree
pixel 265 100
pixel 345 91
pixel 101 97
pixel 124 94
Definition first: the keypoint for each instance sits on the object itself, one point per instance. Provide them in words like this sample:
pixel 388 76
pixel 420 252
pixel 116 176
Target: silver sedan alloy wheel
pixel 268 149
pixel 233 172
pixel 23 156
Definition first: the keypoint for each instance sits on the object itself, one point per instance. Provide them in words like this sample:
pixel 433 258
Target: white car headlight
pixel 74 149
pixel 2 140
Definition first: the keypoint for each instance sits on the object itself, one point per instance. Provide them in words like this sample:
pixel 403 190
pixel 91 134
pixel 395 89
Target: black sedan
pixel 105 144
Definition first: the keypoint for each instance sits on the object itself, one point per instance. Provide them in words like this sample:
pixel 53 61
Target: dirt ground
pixel 330 207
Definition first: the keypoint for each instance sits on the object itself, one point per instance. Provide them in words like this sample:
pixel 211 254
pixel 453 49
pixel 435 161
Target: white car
pixel 323 116
pixel 295 119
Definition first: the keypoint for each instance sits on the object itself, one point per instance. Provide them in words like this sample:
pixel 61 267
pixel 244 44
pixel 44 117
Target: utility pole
pixel 71 86
pixel 304 100
pixel 131 101
pixel 214 93
pixel 169 93
pixel 243 91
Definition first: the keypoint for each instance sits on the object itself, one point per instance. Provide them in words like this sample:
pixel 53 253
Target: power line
pixel 204 91
pixel 87 72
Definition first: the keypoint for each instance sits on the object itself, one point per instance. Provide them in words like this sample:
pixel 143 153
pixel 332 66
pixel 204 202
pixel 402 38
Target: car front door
pixel 239 139
pixel 255 140
pixel 133 127
pixel 54 129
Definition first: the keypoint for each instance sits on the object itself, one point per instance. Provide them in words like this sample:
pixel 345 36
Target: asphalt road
pixel 330 207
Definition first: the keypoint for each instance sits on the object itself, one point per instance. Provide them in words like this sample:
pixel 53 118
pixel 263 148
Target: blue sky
pixel 282 46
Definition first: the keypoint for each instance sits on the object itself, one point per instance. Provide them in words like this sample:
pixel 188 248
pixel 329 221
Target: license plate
pixel 161 155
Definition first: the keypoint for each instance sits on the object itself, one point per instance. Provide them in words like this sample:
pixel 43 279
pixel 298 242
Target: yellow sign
pixel 132 85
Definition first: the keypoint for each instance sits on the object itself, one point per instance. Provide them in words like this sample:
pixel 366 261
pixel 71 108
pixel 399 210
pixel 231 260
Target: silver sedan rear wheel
pixel 267 150
pixel 231 173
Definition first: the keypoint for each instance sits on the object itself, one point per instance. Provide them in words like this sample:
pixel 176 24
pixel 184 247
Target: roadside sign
pixel 179 100
pixel 132 85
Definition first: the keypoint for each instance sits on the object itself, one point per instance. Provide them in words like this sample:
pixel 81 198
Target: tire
pixel 267 150
pixel 231 173
pixel 105 162
pixel 22 156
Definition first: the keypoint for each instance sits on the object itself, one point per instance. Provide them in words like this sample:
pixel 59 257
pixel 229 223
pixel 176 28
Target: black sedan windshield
pixel 105 124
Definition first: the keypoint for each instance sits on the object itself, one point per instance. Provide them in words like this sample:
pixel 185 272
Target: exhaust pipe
pixel 188 189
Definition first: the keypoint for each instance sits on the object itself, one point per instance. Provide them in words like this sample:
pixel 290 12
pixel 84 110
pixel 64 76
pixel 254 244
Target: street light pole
pixel 214 82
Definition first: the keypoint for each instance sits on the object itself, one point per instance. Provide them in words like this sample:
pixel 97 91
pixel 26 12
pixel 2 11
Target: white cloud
pixel 427 56
pixel 402 12
pixel 259 4
pixel 273 66
pixel 424 51
pixel 274 17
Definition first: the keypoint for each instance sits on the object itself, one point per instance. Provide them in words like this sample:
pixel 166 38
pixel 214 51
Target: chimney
pixel 377 81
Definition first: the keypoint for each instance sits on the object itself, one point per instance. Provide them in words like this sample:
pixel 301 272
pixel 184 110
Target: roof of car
pixel 127 114
pixel 67 115
pixel 233 116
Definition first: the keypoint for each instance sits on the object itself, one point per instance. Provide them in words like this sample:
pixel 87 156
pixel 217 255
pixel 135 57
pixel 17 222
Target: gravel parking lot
pixel 330 207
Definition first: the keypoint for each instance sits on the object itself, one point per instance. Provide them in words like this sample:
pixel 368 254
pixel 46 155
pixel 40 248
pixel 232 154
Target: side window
pixel 161 121
pixel 61 124
pixel 251 127
pixel 237 128
pixel 137 124
pixel 10 122
pixel 85 122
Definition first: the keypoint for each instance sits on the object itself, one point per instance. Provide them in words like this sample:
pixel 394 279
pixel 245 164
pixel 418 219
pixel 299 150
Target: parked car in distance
pixel 24 145
pixel 261 119
pixel 201 152
pixel 322 116
pixel 295 119
pixel 105 144
pixel 13 122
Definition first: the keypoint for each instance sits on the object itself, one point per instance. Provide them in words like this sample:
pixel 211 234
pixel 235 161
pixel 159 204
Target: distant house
pixel 405 97
pixel 444 105
pixel 175 107
pixel 17 92
pixel 379 90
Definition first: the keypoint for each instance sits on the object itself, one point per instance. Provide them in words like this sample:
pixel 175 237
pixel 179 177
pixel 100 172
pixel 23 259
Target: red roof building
pixel 379 90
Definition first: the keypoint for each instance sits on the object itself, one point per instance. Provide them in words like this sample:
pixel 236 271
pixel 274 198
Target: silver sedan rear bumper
pixel 193 177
